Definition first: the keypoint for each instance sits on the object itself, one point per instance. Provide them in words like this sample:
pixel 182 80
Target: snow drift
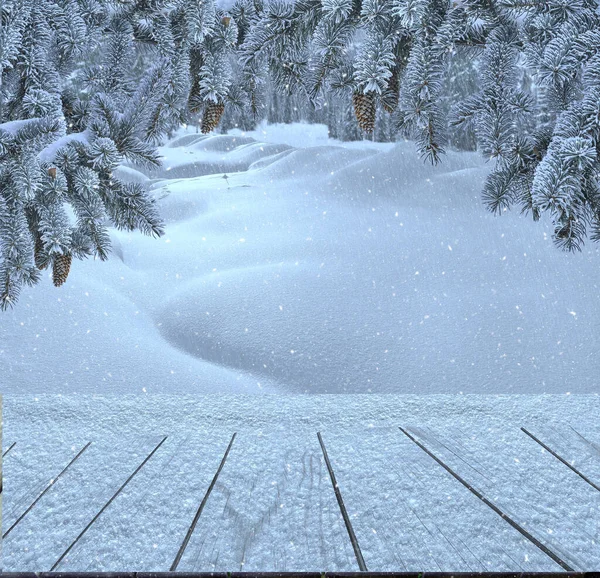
pixel 328 268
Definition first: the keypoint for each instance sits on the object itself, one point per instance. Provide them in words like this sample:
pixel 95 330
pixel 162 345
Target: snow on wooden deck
pixel 273 507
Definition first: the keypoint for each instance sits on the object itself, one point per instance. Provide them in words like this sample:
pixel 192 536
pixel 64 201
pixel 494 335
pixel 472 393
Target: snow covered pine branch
pixel 537 113
pixel 87 85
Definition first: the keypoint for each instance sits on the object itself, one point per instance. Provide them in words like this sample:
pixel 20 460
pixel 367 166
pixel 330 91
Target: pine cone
pixel 364 110
pixel 391 95
pixel 40 258
pixel 60 269
pixel 212 115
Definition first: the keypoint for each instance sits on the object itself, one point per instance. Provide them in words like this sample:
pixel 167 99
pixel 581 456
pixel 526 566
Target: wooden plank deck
pixel 273 506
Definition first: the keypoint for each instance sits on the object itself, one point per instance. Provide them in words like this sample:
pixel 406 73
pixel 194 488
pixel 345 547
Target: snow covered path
pixel 273 506
pixel 321 269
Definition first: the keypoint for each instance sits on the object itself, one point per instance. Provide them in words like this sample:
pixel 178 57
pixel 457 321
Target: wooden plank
pixel 45 533
pixel 410 514
pixel 29 467
pixel 147 523
pixel 273 508
pixel 524 480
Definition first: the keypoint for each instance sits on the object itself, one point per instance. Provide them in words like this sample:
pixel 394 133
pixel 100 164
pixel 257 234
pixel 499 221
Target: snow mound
pixel 220 143
pixel 130 175
pixel 314 163
pixel 210 155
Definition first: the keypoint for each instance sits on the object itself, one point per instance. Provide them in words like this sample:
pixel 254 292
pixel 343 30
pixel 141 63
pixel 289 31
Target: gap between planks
pixel 192 527
pixel 338 494
pixel 10 447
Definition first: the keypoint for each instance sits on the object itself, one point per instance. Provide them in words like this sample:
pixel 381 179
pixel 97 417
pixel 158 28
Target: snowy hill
pixel 319 268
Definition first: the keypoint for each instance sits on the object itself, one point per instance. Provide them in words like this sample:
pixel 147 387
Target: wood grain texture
pixel 409 514
pixel 540 493
pixel 272 508
pixel 167 491
pixel 45 533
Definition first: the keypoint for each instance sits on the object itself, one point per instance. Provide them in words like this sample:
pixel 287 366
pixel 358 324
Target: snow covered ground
pixel 314 267
pixel 273 506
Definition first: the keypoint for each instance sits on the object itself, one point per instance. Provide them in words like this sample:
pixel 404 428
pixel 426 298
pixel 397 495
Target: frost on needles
pixel 87 85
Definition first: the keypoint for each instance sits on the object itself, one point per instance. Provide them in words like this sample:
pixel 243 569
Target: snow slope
pixel 314 267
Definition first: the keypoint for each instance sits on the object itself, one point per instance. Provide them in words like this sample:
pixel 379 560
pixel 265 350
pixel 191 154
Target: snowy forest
pixel 215 214
pixel 90 84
